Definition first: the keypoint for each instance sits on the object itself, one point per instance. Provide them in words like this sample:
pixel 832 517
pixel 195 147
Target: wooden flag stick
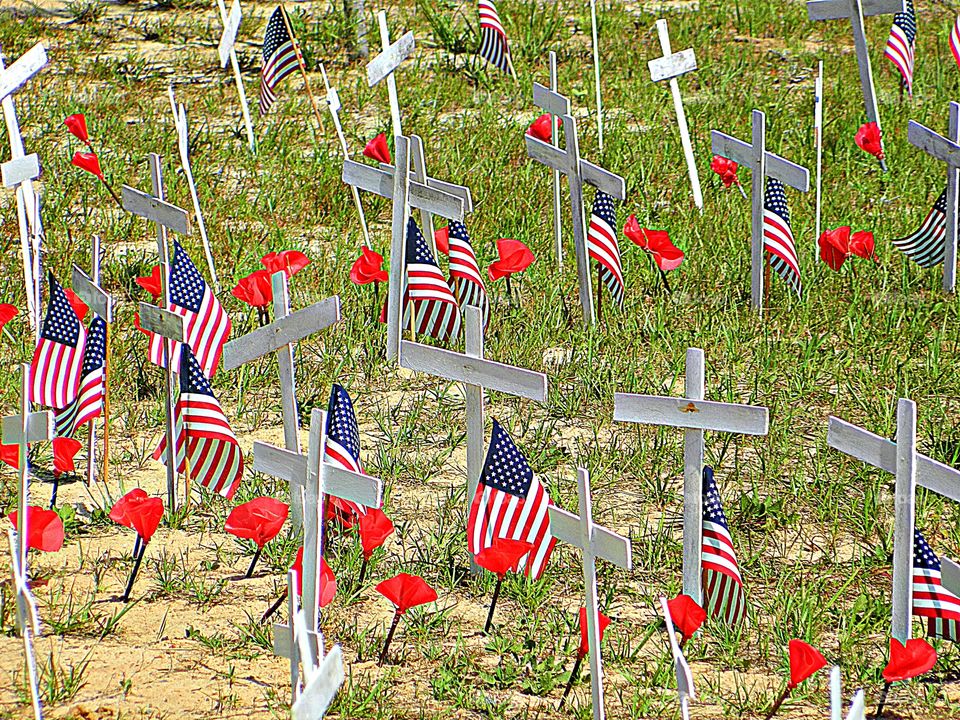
pixel 596 73
pixel 235 64
pixel 818 141
pixel 555 141
pixel 303 67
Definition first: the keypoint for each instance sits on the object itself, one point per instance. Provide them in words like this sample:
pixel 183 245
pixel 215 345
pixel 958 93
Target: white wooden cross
pixel 383 65
pixel 857 707
pixel 685 690
pixel 946 150
pixel 818 143
pixel 555 141
pixel 596 72
pixel 477 375
pixel 911 469
pixel 183 147
pixel 279 337
pixel 578 171
pixel 763 164
pixel 595 541
pixel 694 415
pixel 855 10
pixel 669 67
pixel 88 289
pixel 27 620
pixel 406 194
pixel 227 53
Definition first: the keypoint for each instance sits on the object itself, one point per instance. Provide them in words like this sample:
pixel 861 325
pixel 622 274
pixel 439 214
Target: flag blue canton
pixel 506 469
pixel 186 284
pixel 192 379
pixel 94 355
pixel 342 422
pixel 61 323
pixel 712 507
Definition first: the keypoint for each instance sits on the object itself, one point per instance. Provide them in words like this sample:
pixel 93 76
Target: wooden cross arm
pixel 837 9
pixel 741 153
pixel 558 159
pixel 604 544
pixel 933 144
pixel 281 332
pixel 147 206
pixel 420 196
pixel 20 170
pixel 26 66
pixel 40 426
pixel 352 486
pixel 388 60
pixel 550 101
pixel 882 453
pixel 99 301
pixel 230 27
pixel 671 66
pixel 950 575
pixel 282 638
pixel 460 191
pixel 278 462
pixel 690 414
pixel 321 687
pixel 162 322
pixel 473 371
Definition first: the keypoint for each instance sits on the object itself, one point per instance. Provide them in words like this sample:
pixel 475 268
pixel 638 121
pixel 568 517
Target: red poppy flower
pixel 7 313
pixel 151 283
pixel 503 556
pixel 687 615
pixel 78 305
pixel 77 125
pixel 368 268
pixel 805 660
pixel 89 162
pixel 442 238
pixel 514 257
pixel 910 660
pixel 406 591
pixel 666 255
pixel 137 511
pixel 862 245
pixel 10 455
pixel 584 640
pixel 64 452
pixel 289 261
pixel 375 527
pixel 835 246
pixel 328 584
pixel 541 128
pixel 377 149
pixel 259 520
pixel 869 139
pixel 44 528
pixel 255 289
pixel 726 169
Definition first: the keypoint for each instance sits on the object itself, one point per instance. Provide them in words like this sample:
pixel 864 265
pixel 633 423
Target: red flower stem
pixel 263 315
pixel 663 275
pixel 883 699
pixel 136 545
pixel 778 703
pixel 493 605
pixel 742 191
pixel 253 563
pixel 53 493
pixel 376 300
pixel 133 574
pixel 599 292
pixel 273 608
pixel 363 571
pixel 386 644
pixel 112 192
pixel 573 676
pixel 509 292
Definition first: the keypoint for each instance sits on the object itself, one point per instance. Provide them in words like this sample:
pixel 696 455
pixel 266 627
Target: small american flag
pixel 343 442
pixel 204 436
pixel 493 38
pixel 926 246
pixel 901 44
pixel 602 244
pixel 58 358
pixel 955 40
pixel 207 325
pixel 510 503
pixel 778 237
pixel 723 595
pixel 930 599
pixel 465 274
pixel 279 59
pixel 435 307
pixel 89 401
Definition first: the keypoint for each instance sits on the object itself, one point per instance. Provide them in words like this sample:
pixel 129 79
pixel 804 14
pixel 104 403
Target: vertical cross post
pixel 389 59
pixel 596 73
pixel 818 143
pixel 681 669
pixel 228 53
pixel 555 141
pixel 27 621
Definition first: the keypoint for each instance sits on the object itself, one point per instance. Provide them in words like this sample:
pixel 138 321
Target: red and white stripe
pixel 778 240
pixel 931 599
pixel 602 247
pixel 206 332
pixel 955 40
pixel 437 312
pixel 718 551
pixel 87 406
pixel 489 18
pixel 338 456
pixel 55 371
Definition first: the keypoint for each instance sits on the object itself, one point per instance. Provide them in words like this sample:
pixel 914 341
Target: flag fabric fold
pixel 88 403
pixel 955 40
pixel 58 357
pixel 723 595
pixel 926 245
pixel 279 59
pixel 435 309
pixel 493 38
pixel 778 236
pixel 465 276
pixel 902 43
pixel 602 244
pixel 342 448
pixel 931 600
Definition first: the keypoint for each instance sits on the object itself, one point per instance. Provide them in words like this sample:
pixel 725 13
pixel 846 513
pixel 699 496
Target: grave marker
pixel 857 707
pixel 855 10
pixel 28 623
pixel 685 689
pixel 384 64
pixel 818 143
pixel 669 67
pixel 596 72
pixel 763 164
pixel 946 150
pixel 227 53
pixel 555 141
pixel 694 415
pixel 596 542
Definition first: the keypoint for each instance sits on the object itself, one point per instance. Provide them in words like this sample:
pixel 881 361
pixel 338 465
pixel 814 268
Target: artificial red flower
pixel 805 660
pixel 77 125
pixel 687 615
pixel 89 162
pixel 137 511
pixel 289 261
pixel 862 244
pixel 514 257
pixel 10 455
pixel 7 313
pixel 442 238
pixel 726 169
pixel 377 149
pixel 255 289
pixel 503 556
pixel 869 139
pixel 584 639
pixel 44 528
pixel 78 305
pixel 328 581
pixel 835 246
pixel 375 527
pixel 910 660
pixel 259 520
pixel 541 128
pixel 406 591
pixel 64 451
pixel 151 283
pixel 368 268
pixel 666 255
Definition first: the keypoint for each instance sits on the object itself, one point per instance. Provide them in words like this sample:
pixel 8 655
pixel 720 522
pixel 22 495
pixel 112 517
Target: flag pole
pixel 303 67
